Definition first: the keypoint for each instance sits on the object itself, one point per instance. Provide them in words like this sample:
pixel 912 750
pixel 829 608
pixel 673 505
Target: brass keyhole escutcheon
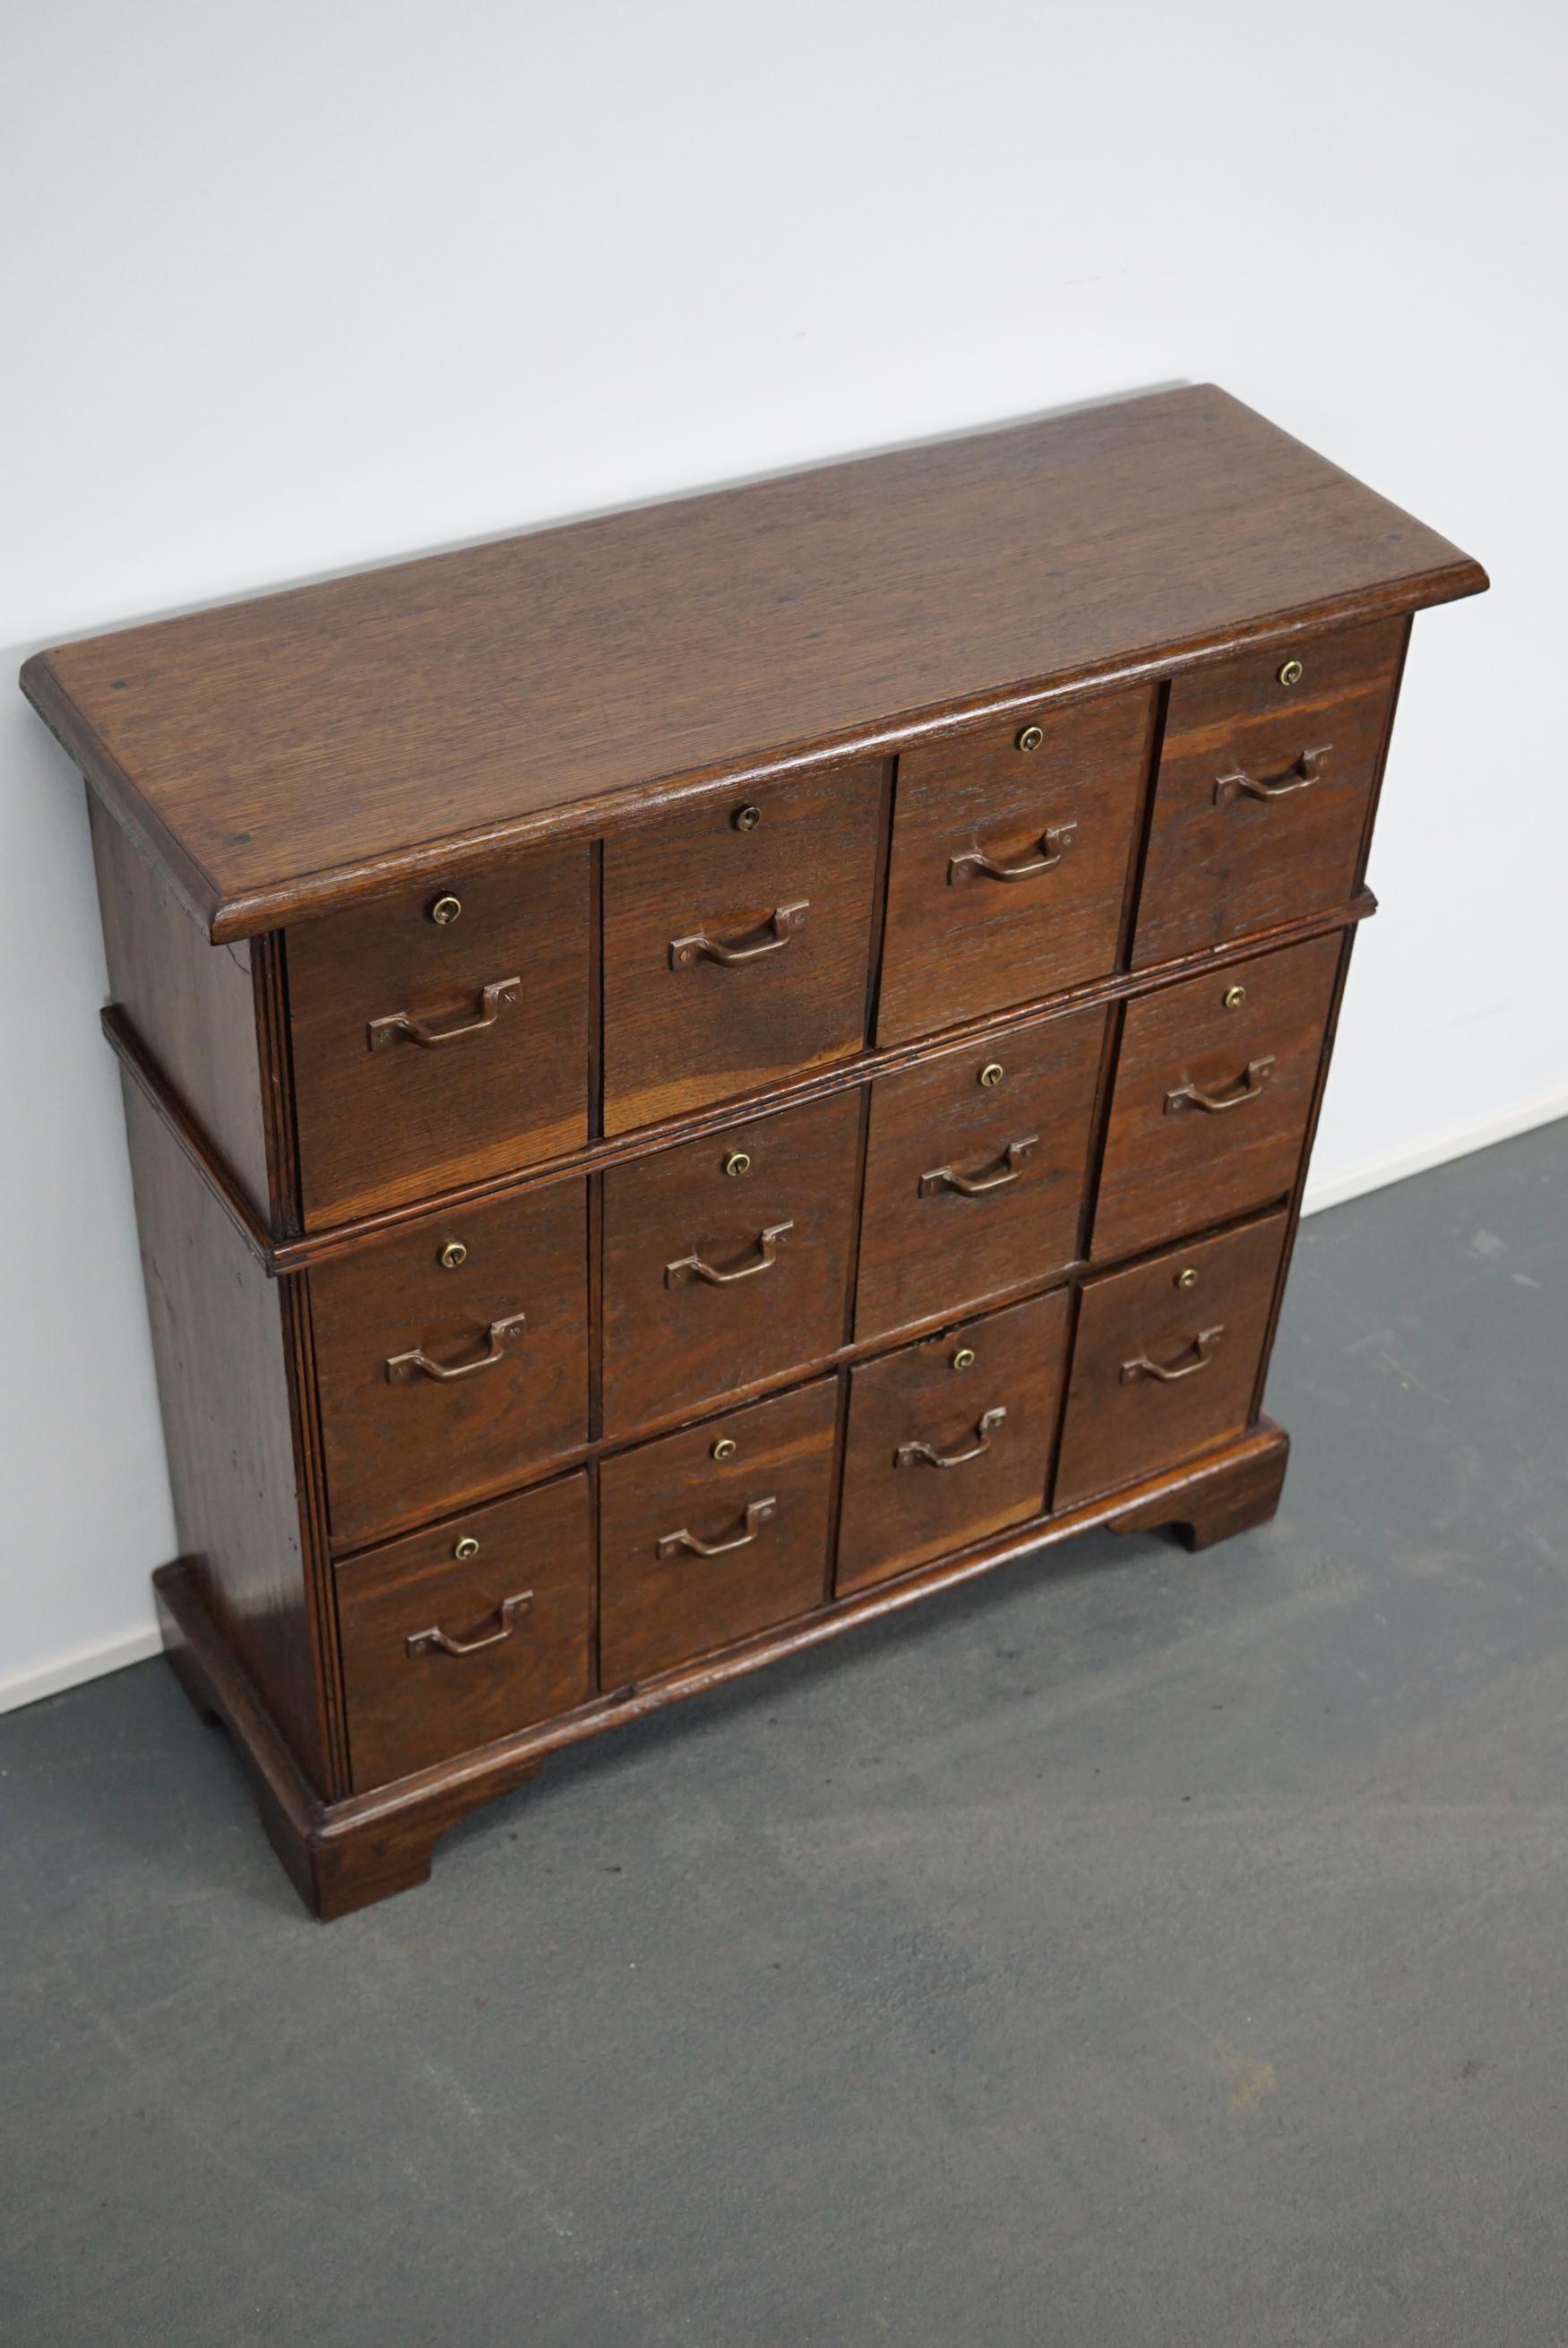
pixel 992 1074
pixel 1031 737
pixel 445 911
pixel 1292 673
pixel 725 1448
pixel 466 1548
pixel 747 818
pixel 452 1255
pixel 1234 997
pixel 738 1163
pixel 963 1359
pixel 1187 1277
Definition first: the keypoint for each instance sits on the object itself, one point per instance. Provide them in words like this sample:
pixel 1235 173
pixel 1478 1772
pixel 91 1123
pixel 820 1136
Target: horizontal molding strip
pixel 292 1255
pixel 804 1374
pixel 489 1769
pixel 309 896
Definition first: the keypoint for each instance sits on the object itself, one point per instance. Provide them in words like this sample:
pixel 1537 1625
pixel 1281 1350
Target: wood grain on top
pixel 285 754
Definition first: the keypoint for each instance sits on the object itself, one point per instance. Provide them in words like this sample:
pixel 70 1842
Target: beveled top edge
pixel 282 756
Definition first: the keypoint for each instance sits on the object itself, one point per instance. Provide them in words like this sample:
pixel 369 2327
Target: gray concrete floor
pixel 1134 1949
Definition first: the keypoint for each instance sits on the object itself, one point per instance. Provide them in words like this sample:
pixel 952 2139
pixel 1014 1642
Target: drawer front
pixel 975 1172
pixel 1214 1087
pixel 463 1633
pixel 711 1534
pixel 452 1360
pixel 950 1439
pixel 434 1047
pixel 737 939
pixel 1165 1359
pixel 1010 859
pixel 1263 788
pixel 727 1259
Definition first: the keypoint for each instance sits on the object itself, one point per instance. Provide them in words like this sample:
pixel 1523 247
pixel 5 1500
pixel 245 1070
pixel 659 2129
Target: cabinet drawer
pixel 975 1171
pixel 727 1259
pixel 737 938
pixel 1263 788
pixel 715 1532
pixel 433 1046
pixel 950 1439
pixel 1011 861
pixel 453 1359
pixel 1214 1087
pixel 466 1632
pixel 1165 1359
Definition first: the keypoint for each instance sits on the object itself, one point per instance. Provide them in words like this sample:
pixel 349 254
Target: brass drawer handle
pixel 440 1642
pixel 1201 1351
pixel 1053 846
pixel 501 992
pixel 781 926
pixel 977 1186
pixel 692 1267
pixel 401 1367
pixel 1306 769
pixel 758 1513
pixel 920 1455
pixel 1249 1087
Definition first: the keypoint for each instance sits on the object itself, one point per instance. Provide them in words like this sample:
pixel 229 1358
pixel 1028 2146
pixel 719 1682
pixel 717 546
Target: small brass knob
pixel 1292 673
pixel 992 1074
pixel 445 911
pixel 466 1548
pixel 963 1359
pixel 739 1162
pixel 725 1448
pixel 747 818
pixel 1031 737
pixel 452 1255
pixel 1234 997
pixel 1187 1277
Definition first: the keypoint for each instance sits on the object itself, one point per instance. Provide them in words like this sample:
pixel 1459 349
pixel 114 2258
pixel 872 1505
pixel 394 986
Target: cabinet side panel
pixel 221 1354
pixel 192 1004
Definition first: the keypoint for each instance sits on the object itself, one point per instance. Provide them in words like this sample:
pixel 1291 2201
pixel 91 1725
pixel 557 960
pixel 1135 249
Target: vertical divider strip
pixel 886 800
pixel 1144 824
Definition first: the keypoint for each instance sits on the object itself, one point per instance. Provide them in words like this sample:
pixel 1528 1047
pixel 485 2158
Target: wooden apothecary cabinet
pixel 698 1076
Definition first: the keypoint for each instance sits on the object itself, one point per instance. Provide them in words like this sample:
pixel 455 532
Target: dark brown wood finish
pixel 714 1533
pixel 1215 1082
pixel 298 1253
pixel 194 1009
pixel 223 1355
pixel 1265 780
pixel 1012 846
pixel 728 1259
pixel 346 1854
pixel 454 1637
pixel 453 1360
pixel 1165 1357
pixel 1202 1508
pixel 340 739
pixel 737 941
pixel 488 973
pixel 950 1439
pixel 632 1318
pixel 974 1173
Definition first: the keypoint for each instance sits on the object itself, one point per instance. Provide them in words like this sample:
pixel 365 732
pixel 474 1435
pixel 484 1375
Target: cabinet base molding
pixel 348 1854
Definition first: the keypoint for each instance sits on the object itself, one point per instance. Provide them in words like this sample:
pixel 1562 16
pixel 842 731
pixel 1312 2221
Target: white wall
pixel 295 287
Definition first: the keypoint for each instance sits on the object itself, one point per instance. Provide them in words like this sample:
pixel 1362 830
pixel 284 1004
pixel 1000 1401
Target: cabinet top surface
pixel 287 754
